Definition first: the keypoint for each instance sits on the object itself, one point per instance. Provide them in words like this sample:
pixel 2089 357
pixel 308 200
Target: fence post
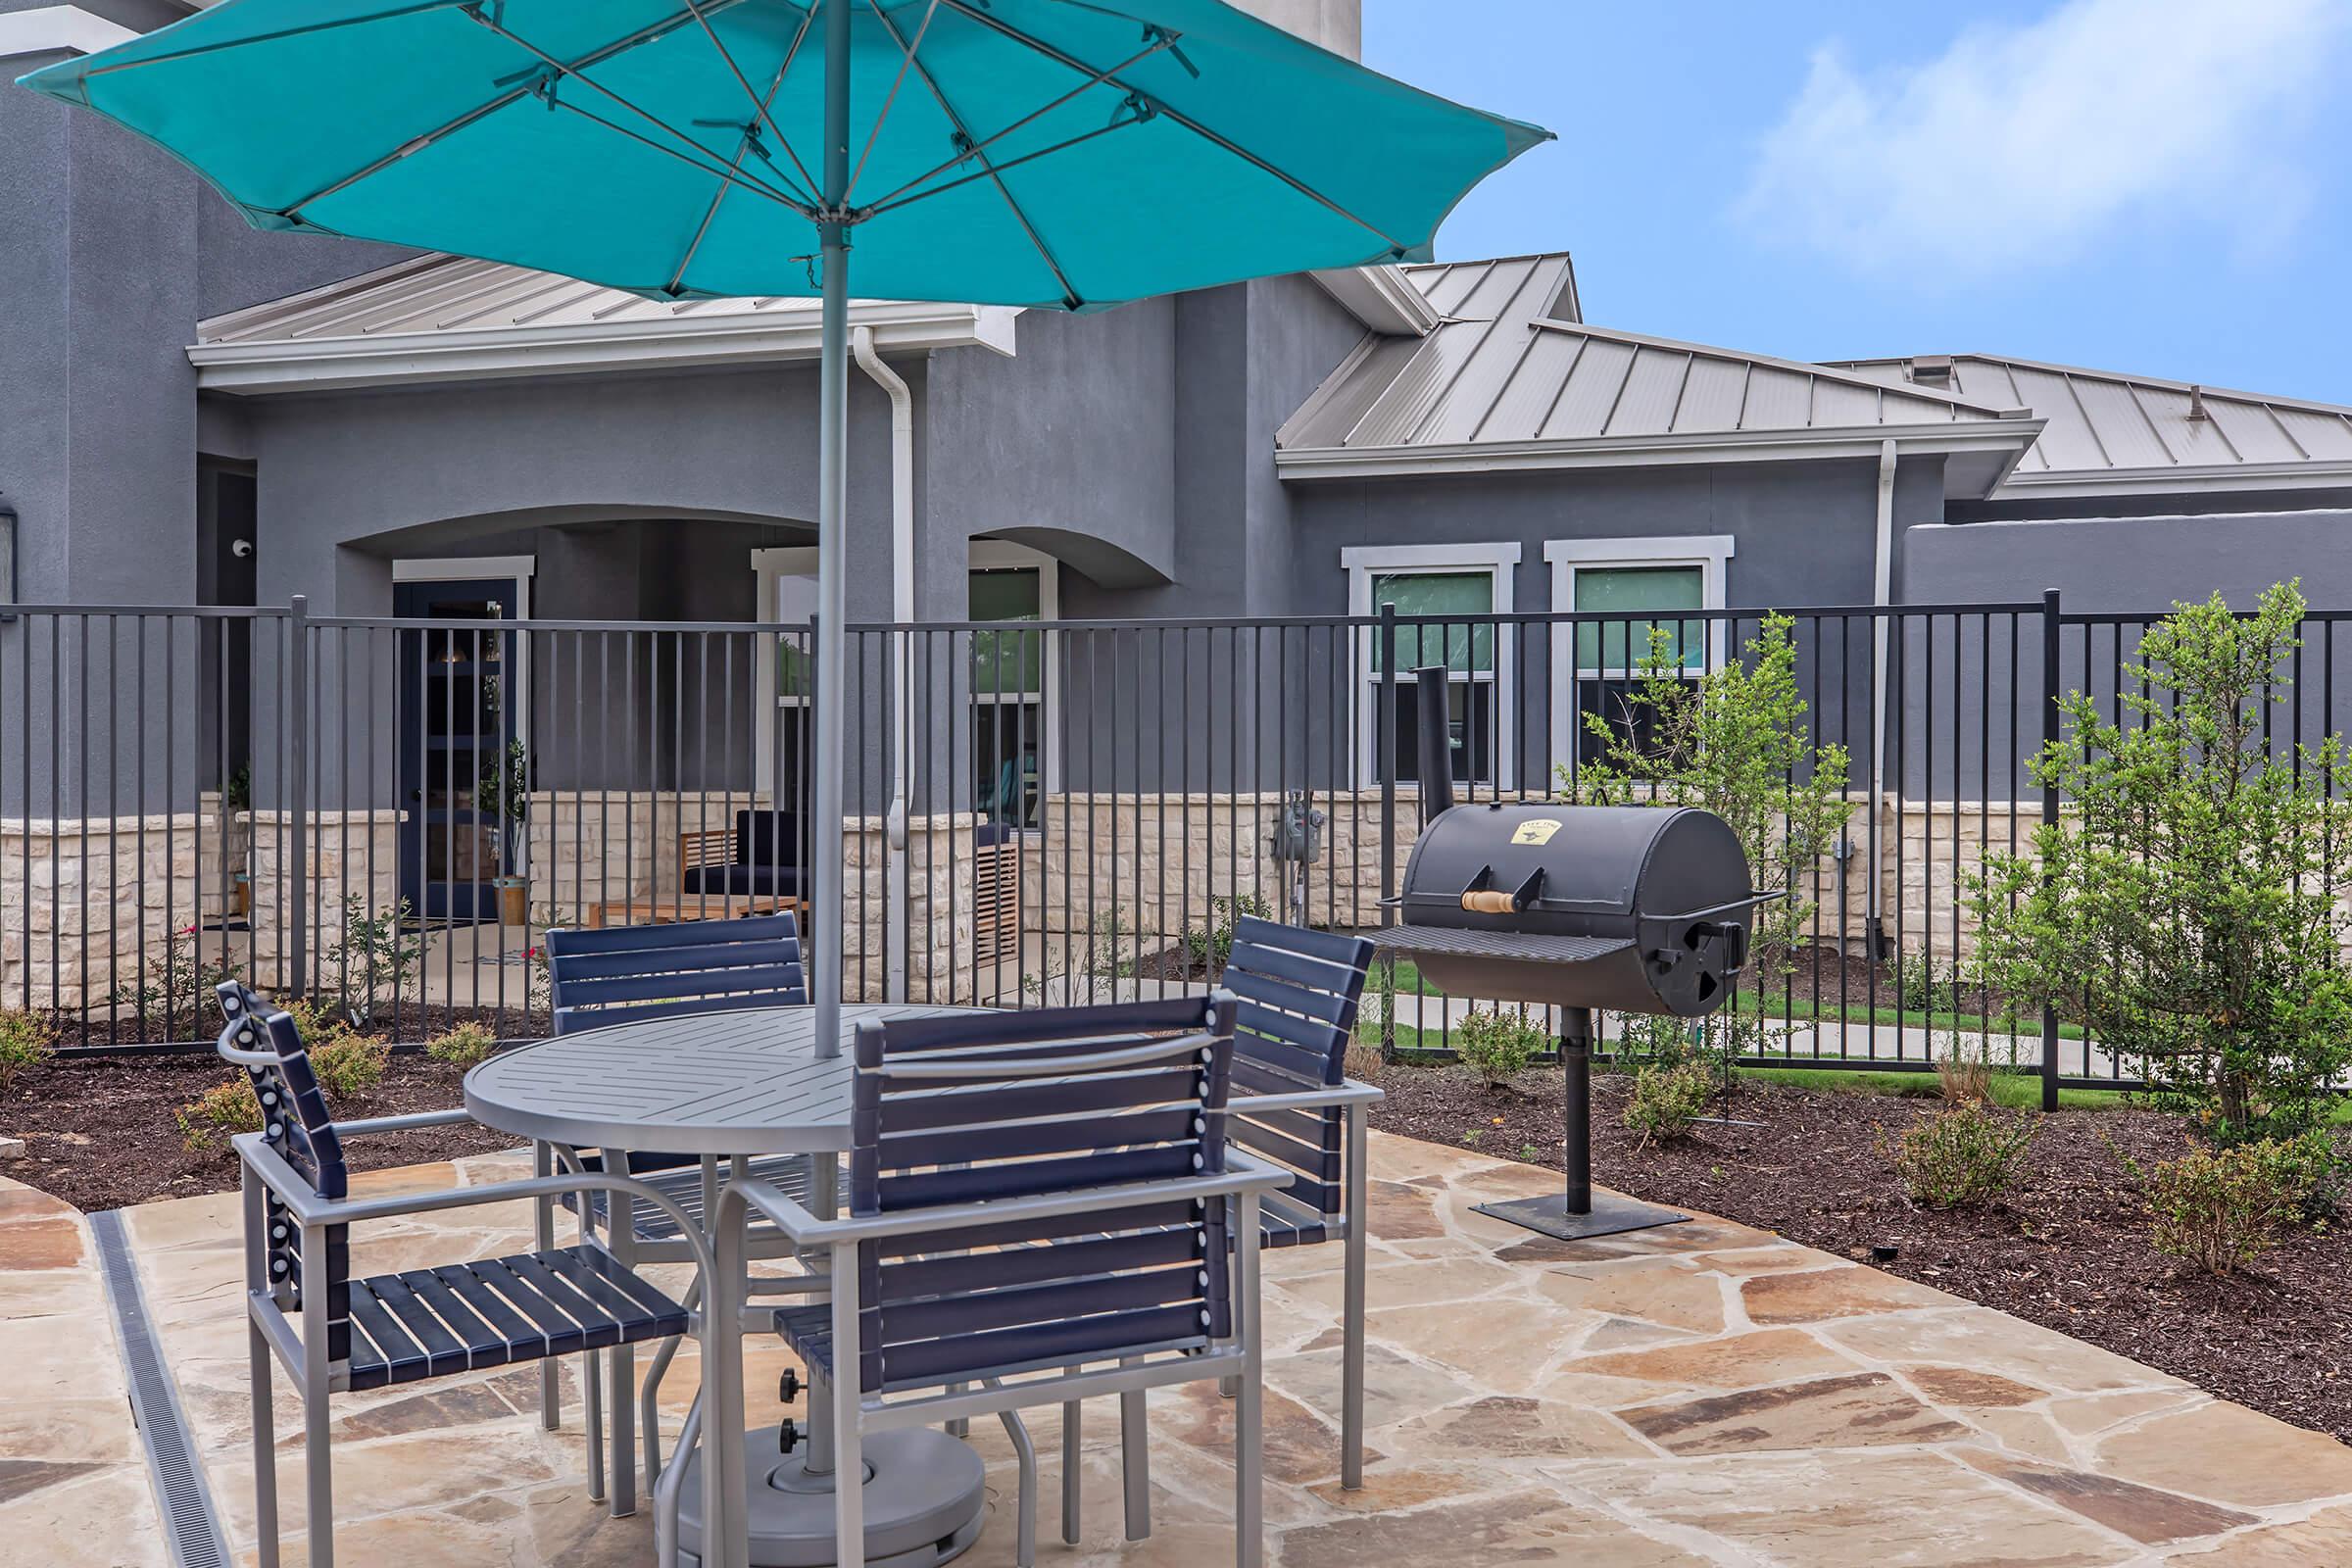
pixel 298 768
pixel 1386 747
pixel 2049 819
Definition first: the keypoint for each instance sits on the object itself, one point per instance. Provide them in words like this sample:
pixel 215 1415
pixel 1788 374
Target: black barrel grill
pixel 1581 908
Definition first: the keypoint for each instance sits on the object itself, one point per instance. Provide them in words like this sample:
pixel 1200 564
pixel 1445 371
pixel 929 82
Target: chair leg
pixel 1071 1436
pixel 1024 1549
pixel 592 1416
pixel 318 1480
pixel 649 1408
pixel 264 1450
pixel 1134 1462
pixel 848 1442
pixel 1249 1453
pixel 543 1236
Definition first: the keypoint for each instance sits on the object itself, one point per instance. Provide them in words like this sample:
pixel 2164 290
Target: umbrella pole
pixel 832 597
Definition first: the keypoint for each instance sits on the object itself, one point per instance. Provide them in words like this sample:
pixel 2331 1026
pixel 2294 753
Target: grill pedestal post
pixel 1578 1212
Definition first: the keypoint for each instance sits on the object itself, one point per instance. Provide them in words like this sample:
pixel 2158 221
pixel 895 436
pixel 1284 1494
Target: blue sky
pixel 2157 187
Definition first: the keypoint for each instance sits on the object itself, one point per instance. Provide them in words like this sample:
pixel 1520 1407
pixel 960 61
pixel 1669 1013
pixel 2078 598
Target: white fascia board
pixel 1382 298
pixel 412 358
pixel 2203 480
pixel 58 30
pixel 1612 452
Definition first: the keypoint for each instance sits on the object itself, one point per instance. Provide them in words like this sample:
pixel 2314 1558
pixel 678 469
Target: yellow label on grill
pixel 1536 830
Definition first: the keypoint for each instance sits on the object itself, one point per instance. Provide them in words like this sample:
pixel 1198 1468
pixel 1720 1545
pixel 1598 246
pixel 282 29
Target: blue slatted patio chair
pixel 334 1332
pixel 625 975
pixel 1039 1206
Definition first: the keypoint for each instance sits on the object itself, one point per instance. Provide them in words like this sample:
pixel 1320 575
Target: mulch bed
pixel 100 1134
pixel 193 1030
pixel 2069 1248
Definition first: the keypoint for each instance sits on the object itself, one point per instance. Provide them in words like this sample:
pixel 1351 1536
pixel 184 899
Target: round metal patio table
pixel 747 1082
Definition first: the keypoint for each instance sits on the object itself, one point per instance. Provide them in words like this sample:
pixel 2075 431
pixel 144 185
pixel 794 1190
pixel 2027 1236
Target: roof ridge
pixel 1828 371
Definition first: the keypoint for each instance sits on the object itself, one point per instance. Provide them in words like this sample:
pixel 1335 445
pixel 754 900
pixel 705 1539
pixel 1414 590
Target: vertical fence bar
pixel 1384 718
pixel 2049 819
pixel 298 762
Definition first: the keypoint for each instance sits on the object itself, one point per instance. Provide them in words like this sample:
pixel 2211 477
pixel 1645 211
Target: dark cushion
pixel 767 839
pixel 762 877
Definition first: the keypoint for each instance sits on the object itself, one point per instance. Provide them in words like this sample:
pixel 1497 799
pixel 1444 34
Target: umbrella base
pixel 925 1498
pixel 1610 1215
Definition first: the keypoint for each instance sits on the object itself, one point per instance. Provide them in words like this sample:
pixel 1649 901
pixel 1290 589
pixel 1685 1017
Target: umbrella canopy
pixel 1060 153
pixel 1068 154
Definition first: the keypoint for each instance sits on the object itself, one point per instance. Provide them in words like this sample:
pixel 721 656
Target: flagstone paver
pixel 1704 1394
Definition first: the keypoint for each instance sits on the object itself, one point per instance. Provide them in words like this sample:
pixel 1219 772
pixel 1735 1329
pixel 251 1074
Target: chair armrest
pixel 1350 1093
pixel 1249 1174
pixel 309 1208
pixel 401 1124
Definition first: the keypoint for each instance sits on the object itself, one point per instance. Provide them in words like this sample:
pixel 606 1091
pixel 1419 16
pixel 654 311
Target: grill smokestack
pixel 1435 743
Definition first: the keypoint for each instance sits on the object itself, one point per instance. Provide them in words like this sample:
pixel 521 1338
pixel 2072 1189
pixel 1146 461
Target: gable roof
pixel 2110 434
pixel 1510 378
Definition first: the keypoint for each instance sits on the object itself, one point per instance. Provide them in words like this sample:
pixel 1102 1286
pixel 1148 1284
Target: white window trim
pixel 1363 562
pixel 1000 555
pixel 460 568
pixel 1711 553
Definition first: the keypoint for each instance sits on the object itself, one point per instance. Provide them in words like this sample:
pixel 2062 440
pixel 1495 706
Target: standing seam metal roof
pixel 1505 365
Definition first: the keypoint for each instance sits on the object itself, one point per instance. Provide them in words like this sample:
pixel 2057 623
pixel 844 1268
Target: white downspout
pixel 1883 593
pixel 901 611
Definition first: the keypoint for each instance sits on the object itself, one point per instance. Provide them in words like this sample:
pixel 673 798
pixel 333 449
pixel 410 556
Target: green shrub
pixel 1498 1043
pixel 349 1064
pixel 1207 949
pixel 1963 1157
pixel 26 1040
pixel 2223 1209
pixel 467 1044
pixel 1654 1039
pixel 1925 983
pixel 207 1121
pixel 1666 1100
pixel 2189 907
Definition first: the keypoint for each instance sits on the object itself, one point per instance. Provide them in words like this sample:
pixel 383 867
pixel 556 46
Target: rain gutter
pixel 901 612
pixel 1882 595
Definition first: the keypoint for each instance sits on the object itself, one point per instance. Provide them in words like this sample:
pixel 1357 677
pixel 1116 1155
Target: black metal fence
pixel 384 813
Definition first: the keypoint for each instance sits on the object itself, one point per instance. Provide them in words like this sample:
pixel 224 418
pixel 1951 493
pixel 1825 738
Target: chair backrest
pixel 767 838
pixel 297 1124
pixel 1009 1106
pixel 1298 993
pixel 622 974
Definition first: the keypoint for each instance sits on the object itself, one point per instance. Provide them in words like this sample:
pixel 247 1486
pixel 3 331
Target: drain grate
pixel 191 1527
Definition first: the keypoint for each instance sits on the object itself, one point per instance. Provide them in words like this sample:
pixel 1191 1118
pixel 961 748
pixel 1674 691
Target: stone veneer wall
pixel 350 853
pixel 78 896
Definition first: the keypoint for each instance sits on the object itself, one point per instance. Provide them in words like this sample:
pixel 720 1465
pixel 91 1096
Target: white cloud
pixel 2023 144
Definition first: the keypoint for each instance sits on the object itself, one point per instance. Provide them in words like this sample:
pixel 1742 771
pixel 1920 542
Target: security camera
pixel 241 548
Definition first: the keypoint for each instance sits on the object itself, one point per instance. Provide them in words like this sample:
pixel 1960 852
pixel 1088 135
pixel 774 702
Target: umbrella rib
pixel 1069 294
pixel 890 199
pixel 479 112
pixel 711 212
pixel 797 198
pixel 889 99
pixel 1065 145
pixel 761 105
pixel 1039 46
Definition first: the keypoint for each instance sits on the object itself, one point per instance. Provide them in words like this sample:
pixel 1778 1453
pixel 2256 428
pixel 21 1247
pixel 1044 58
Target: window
pixel 1009 679
pixel 1620 583
pixel 1468 580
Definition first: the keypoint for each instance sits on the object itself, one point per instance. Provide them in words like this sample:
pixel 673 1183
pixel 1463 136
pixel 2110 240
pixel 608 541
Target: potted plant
pixel 504 793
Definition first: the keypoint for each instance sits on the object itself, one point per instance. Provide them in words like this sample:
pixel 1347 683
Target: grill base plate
pixel 1611 1215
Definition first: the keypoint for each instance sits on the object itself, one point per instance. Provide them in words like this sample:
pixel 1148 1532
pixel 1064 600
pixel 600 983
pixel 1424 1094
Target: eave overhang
pixel 277 366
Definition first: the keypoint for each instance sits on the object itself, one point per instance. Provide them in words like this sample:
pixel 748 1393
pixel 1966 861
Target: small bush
pixel 468 1045
pixel 1963 1157
pixel 2223 1209
pixel 207 1121
pixel 1654 1039
pixel 1498 1045
pixel 1962 1073
pixel 26 1040
pixel 349 1064
pixel 1925 983
pixel 1666 1100
pixel 1207 949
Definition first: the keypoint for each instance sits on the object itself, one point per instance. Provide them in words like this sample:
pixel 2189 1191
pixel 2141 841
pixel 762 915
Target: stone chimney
pixel 1337 25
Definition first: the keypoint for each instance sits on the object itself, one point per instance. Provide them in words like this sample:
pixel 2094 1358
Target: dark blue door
pixel 459 732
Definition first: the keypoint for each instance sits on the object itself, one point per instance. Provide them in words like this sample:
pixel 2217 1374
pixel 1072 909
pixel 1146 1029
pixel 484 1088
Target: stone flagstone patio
pixel 1700 1395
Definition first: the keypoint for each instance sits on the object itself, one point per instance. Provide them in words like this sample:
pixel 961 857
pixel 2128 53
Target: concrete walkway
pixel 1702 1395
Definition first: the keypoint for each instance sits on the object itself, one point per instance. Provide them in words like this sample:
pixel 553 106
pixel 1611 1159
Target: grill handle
pixel 1435 741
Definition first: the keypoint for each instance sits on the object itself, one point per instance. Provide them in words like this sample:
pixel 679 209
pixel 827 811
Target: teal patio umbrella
pixel 1059 154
